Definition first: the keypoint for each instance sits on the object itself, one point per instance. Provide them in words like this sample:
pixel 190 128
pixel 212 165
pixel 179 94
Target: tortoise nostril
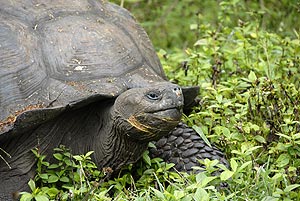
pixel 177 91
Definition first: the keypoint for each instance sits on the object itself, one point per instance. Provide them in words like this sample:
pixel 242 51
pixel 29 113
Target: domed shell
pixel 59 54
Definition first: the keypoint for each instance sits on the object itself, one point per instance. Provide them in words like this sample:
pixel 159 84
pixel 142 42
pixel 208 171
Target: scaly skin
pixel 184 147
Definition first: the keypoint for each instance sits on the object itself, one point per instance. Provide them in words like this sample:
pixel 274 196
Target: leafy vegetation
pixel 168 22
pixel 246 61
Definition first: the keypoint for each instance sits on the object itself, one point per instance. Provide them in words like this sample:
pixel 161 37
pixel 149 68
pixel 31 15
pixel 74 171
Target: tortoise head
pixel 148 113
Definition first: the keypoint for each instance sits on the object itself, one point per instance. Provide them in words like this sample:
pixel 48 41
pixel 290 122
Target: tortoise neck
pixel 113 147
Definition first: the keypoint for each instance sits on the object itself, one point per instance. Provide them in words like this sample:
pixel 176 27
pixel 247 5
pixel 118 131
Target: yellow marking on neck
pixel 135 123
pixel 169 119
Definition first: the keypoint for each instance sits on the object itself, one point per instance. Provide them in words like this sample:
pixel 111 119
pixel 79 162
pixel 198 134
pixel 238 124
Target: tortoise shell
pixel 56 55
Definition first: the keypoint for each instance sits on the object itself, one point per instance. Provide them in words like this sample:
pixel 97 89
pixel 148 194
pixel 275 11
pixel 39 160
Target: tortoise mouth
pixel 169 114
pixel 155 124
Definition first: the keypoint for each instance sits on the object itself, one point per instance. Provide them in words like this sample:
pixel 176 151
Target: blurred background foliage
pixel 177 23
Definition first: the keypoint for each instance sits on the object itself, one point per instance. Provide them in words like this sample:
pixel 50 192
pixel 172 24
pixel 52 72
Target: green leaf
pixel 70 163
pixel 260 139
pixel 43 176
pixel 226 175
pixel 91 165
pixel 296 136
pixel 277 176
pixel 146 158
pixel 58 156
pixel 31 185
pixel 53 179
pixel 200 132
pixel 253 35
pixel 41 198
pixel 233 164
pixel 151 145
pixel 169 166
pixel 206 181
pixel 193 26
pixel 78 158
pixel 252 77
pixel 67 154
pixel 200 176
pixel 201 42
pixel 35 152
pixel 45 163
pixel 284 136
pixel 269 198
pixel 52 192
pixel 26 196
pixel 178 194
pixel 255 127
pixel 201 195
pixel 283 160
pixel 64 179
pixel 53 166
pixel 219 98
pixel 89 153
pixel 291 187
pixel 251 149
pixel 244 165
pixel 158 194
pixel 226 132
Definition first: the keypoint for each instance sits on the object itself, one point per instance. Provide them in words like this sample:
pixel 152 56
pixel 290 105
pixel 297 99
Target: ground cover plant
pixel 246 61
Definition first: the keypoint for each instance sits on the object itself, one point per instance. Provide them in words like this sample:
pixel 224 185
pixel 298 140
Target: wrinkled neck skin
pixel 95 128
pixel 113 147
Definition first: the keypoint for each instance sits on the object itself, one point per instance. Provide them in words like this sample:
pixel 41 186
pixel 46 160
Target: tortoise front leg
pixel 184 147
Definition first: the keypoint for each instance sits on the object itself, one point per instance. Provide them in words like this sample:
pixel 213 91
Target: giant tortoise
pixel 85 75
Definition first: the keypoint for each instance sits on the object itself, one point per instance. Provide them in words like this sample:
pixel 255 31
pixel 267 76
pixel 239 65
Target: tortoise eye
pixel 152 96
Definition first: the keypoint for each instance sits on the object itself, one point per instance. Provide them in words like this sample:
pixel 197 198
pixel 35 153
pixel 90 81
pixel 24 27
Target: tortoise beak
pixel 171 114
